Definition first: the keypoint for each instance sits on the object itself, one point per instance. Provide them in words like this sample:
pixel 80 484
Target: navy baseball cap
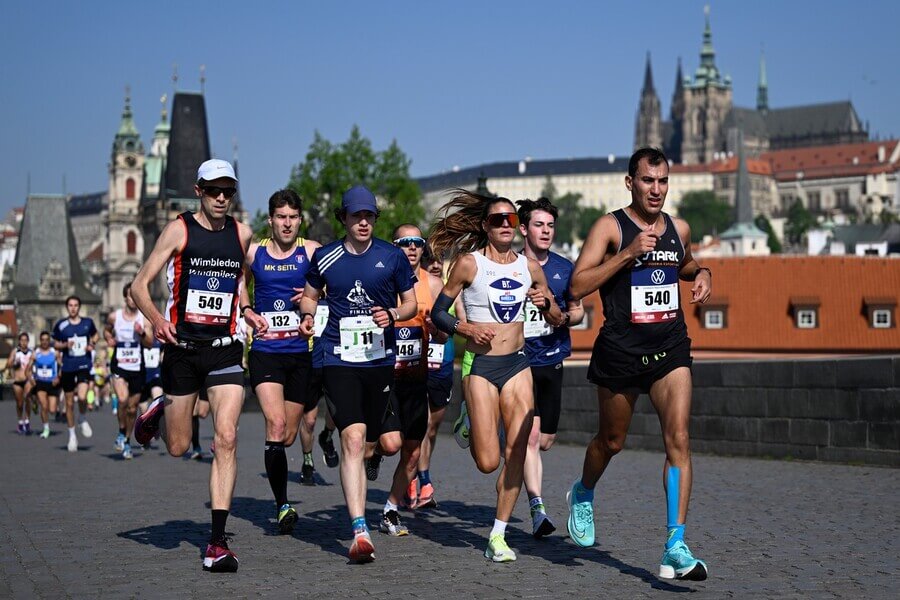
pixel 358 198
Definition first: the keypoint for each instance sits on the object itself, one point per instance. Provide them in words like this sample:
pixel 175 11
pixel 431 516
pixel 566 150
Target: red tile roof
pixel 842 160
pixel 759 292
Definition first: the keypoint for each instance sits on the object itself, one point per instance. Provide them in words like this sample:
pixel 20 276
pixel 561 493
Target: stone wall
pixel 837 410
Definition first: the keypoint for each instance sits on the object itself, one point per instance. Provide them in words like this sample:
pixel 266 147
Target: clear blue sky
pixel 456 83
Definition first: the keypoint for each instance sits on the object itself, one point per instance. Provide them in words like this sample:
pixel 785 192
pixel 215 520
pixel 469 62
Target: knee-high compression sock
pixel 219 517
pixel 674 529
pixel 195 432
pixel 277 470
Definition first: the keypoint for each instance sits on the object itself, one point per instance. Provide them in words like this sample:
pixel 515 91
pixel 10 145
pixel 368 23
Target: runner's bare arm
pixel 690 270
pixel 541 296
pixel 435 285
pixel 596 263
pixel 575 310
pixel 308 310
pixel 253 319
pixel 171 240
pixel 461 276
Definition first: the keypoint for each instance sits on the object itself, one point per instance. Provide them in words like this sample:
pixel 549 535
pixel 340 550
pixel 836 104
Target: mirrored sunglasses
pixel 213 191
pixel 497 219
pixel 410 240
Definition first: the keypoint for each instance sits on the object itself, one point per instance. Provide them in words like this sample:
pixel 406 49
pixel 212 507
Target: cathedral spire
pixel 762 90
pixel 707 72
pixel 648 79
pixel 679 78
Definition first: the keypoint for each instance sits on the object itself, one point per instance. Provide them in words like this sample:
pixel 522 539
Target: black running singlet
pixel 641 304
pixel 204 281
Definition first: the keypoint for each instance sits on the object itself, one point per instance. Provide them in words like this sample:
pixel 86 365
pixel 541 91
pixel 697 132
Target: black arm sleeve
pixel 440 314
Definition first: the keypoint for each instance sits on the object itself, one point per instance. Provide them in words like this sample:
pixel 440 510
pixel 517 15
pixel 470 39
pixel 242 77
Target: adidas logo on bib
pixel 556 276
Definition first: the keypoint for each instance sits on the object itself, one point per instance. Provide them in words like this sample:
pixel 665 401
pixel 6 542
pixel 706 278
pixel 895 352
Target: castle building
pixel 703 121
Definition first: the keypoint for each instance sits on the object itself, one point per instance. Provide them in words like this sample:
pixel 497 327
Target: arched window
pixel 131 241
pixel 129 188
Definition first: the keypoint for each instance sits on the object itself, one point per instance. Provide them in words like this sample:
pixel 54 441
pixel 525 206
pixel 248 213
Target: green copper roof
pixel 742 230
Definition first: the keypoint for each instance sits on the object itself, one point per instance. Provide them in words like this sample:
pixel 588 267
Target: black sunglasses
pixel 497 219
pixel 213 191
pixel 410 240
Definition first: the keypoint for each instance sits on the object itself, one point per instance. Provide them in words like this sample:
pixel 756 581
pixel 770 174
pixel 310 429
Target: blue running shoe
pixel 581 520
pixel 120 443
pixel 678 563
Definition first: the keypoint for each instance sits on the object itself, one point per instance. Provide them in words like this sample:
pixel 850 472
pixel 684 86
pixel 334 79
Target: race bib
pixel 79 345
pixel 506 299
pixel 535 324
pixel 320 320
pixel 45 373
pixel 151 358
pixel 128 358
pixel 435 356
pixel 654 294
pixel 209 300
pixel 361 340
pixel 282 324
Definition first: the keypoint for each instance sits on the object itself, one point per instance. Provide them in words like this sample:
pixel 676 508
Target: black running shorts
pixel 70 379
pixel 548 395
pixel 135 380
pixel 187 371
pixel 292 370
pixel 411 397
pixel 620 372
pixel 360 395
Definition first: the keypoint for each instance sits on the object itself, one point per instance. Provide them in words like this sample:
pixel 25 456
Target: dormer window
pixel 879 311
pixel 805 310
pixel 714 314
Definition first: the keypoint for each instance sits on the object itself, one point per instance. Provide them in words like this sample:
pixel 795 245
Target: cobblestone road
pixel 90 525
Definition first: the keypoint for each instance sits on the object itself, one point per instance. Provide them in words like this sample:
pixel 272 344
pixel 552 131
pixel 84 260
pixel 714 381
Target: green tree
pixel 569 209
pixel 799 221
pixel 774 244
pixel 588 217
pixel 260 225
pixel 329 169
pixel 705 213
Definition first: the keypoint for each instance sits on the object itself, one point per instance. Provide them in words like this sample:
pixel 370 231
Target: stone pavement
pixel 90 525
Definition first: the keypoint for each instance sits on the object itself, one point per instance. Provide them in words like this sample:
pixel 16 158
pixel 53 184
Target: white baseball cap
pixel 215 168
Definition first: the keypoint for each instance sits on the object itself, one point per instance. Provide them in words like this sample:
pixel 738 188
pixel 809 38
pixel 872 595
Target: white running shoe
pixel 86 430
pixel 73 443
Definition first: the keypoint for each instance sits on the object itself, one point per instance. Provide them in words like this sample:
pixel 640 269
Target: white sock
pixel 21 422
pixel 389 506
pixel 499 528
pixel 46 426
pixel 71 432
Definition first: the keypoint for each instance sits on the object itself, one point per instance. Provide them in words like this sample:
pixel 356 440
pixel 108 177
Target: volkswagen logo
pixel 658 276
pixel 404 333
pixel 212 284
pixel 279 304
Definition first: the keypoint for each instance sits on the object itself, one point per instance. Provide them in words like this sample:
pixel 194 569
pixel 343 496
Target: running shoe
pixel 541 525
pixel 461 427
pixel 27 427
pixel 120 442
pixel 412 494
pixel 581 519
pixel 678 563
pixel 73 443
pixel 373 464
pixel 287 518
pixel 498 551
pixel 329 454
pixel 426 497
pixel 308 475
pixel 86 430
pixel 20 428
pixel 218 558
pixel 146 426
pixel 362 550
pixel 391 525
pixel 45 434
pixel 126 451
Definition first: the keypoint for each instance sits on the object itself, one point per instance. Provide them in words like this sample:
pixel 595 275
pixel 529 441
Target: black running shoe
pixel 373 464
pixel 308 475
pixel 328 452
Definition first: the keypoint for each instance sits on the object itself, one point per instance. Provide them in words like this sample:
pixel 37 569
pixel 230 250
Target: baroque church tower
pixel 124 248
pixel 648 127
